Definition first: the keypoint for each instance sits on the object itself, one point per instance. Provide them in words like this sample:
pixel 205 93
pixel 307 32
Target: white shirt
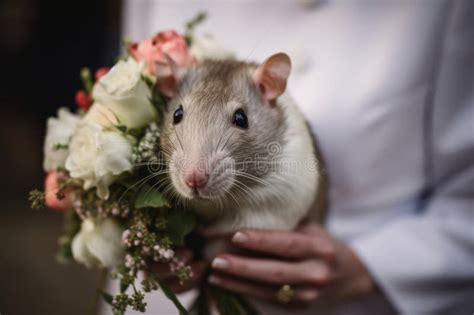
pixel 388 89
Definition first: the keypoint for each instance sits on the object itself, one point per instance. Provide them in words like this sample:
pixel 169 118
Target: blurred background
pixel 43 46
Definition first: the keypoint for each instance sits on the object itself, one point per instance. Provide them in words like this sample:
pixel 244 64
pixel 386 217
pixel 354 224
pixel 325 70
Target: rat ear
pixel 168 75
pixel 271 76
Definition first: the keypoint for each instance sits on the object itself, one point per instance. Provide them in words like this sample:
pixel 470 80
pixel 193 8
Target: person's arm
pixel 425 262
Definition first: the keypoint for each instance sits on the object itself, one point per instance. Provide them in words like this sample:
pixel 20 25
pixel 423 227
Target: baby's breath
pixel 146 149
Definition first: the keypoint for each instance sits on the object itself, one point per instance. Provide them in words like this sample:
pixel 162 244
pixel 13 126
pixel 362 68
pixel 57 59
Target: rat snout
pixel 202 177
pixel 196 174
pixel 197 178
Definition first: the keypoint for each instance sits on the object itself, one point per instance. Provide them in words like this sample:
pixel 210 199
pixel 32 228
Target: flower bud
pixel 101 72
pixel 83 100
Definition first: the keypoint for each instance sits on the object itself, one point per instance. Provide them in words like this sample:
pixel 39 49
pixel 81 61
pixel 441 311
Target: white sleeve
pixel 424 262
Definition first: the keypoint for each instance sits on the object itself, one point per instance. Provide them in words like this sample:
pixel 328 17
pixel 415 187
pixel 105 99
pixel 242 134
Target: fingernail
pixel 240 237
pixel 220 263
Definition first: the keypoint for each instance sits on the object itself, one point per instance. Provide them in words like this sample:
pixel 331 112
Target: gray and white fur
pixel 267 176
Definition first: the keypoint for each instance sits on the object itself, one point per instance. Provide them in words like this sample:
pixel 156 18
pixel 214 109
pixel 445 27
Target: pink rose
pixel 153 50
pixel 51 187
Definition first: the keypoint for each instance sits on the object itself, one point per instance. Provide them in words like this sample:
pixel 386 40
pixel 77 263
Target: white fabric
pixel 387 87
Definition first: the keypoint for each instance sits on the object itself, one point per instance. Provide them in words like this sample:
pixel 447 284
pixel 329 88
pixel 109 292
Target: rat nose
pixel 196 179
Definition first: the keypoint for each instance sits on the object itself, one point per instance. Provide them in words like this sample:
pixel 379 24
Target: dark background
pixel 43 46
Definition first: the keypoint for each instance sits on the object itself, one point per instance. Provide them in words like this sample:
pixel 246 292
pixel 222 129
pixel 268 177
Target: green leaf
pixel 191 25
pixel 107 297
pixel 172 297
pixel 126 41
pixel 64 253
pixel 200 305
pixel 72 226
pixel 149 81
pixel 136 132
pixel 179 223
pixel 60 146
pixel 124 284
pixel 87 81
pixel 121 128
pixel 148 197
pixel 37 199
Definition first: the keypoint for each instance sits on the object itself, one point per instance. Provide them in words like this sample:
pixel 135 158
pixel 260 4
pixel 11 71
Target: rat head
pixel 219 122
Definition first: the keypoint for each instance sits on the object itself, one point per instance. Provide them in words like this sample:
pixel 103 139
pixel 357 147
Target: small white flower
pixel 98 157
pixel 168 254
pixel 58 135
pixel 99 243
pixel 206 47
pixel 129 262
pixel 124 92
pixel 125 236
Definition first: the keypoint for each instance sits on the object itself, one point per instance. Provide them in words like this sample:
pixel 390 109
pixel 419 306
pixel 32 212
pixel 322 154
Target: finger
pixel 313 229
pixel 327 248
pixel 301 295
pixel 284 244
pixel 273 271
pixel 198 269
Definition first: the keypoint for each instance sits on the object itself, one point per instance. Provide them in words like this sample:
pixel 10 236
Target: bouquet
pixel 105 173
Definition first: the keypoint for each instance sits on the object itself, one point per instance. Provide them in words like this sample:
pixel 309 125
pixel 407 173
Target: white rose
pixel 124 92
pixel 99 243
pixel 58 134
pixel 206 47
pixel 98 157
pixel 101 115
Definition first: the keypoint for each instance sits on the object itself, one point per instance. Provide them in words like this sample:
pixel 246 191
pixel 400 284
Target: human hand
pixel 315 264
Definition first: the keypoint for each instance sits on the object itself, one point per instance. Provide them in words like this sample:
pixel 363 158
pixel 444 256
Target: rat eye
pixel 178 115
pixel 240 119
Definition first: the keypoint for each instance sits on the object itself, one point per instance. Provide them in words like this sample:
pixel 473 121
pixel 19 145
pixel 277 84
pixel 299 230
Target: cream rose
pixel 99 243
pixel 98 157
pixel 206 47
pixel 123 91
pixel 58 135
pixel 101 115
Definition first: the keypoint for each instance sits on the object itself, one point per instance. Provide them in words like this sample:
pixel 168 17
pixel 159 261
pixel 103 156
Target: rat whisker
pixel 247 193
pixel 151 162
pixel 228 139
pixel 142 182
pixel 170 193
pixel 231 194
pixel 165 151
pixel 280 192
pixel 216 149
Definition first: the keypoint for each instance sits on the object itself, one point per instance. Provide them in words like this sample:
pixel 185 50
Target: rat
pixel 237 148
